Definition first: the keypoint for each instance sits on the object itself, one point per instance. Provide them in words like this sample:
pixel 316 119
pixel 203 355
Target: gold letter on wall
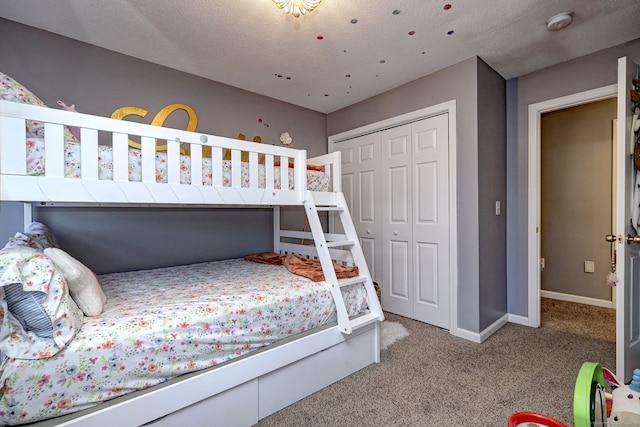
pixel 158 120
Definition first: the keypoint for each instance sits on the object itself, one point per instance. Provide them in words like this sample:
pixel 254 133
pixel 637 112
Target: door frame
pixel 533 222
pixel 445 107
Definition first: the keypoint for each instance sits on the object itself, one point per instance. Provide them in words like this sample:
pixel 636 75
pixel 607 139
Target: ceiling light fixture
pixel 297 7
pixel 559 21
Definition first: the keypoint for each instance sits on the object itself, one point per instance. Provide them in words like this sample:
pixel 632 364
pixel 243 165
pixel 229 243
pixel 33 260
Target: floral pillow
pixel 44 318
pixel 11 90
pixel 83 284
pixel 42 235
pixel 23 241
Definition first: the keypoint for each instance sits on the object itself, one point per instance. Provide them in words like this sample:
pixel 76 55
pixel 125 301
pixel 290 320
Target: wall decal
pixel 158 120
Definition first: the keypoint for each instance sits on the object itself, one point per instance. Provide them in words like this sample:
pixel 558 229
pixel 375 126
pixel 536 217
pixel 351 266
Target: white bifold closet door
pixel 415 220
pixel 396 184
pixel 360 161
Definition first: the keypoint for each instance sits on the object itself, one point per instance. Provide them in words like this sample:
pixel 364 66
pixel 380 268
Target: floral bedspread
pixel 158 324
pixel 316 180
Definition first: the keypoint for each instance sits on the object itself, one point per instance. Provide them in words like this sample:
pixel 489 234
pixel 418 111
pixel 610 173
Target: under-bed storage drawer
pixel 235 407
pixel 291 383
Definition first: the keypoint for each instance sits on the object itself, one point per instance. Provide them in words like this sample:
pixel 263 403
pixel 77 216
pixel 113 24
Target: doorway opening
pixel 536 112
pixel 577 208
pixel 576 204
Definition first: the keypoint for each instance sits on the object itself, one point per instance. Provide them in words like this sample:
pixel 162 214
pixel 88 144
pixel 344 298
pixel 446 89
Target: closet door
pixel 429 162
pixel 397 217
pixel 415 220
pixel 360 160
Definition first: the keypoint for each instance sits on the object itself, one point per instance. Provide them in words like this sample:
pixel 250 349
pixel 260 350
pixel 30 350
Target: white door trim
pixel 533 223
pixel 445 107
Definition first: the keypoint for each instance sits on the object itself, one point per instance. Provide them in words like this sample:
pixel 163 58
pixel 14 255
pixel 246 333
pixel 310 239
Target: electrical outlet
pixel 589 266
pixel 498 207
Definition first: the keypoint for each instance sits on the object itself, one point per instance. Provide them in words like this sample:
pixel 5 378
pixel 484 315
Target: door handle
pixel 612 238
pixel 632 239
pixel 395 233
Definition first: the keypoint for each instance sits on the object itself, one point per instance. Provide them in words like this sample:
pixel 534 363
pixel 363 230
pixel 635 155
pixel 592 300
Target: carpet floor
pixel 431 378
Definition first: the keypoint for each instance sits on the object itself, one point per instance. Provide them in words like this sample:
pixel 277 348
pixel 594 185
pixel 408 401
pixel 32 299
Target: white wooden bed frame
pixel 246 390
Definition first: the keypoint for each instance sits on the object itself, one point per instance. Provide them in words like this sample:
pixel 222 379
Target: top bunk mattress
pixel 316 180
pixel 158 324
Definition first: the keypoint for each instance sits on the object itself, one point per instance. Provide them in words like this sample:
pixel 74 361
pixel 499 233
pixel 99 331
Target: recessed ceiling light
pixel 559 21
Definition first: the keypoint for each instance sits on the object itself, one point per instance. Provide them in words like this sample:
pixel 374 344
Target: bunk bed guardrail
pixel 17 185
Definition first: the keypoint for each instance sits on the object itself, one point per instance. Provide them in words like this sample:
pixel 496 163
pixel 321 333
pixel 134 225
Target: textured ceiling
pixel 323 61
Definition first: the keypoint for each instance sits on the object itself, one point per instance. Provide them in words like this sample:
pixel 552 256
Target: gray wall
pixel 460 82
pixel 512 226
pixel 492 163
pixel 579 75
pixel 99 81
pixel 11 220
pixel 141 238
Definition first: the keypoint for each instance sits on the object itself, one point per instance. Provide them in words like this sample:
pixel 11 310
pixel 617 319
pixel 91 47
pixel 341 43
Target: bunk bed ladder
pixel 348 245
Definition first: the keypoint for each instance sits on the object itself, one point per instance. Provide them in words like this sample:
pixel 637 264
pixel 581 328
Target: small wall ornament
pixel 285 138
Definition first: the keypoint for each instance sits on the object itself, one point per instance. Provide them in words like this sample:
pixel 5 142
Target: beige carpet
pixel 580 319
pixel 431 378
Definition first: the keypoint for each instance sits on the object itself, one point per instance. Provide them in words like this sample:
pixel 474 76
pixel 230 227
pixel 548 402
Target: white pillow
pixel 83 284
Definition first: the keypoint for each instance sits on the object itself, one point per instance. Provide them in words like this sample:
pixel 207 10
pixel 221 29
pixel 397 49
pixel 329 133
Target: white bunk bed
pixel 242 391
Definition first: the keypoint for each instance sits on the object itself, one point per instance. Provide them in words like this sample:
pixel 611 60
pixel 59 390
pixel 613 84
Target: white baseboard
pixel 468 335
pixel 479 337
pixel 524 320
pixel 577 298
pixel 520 320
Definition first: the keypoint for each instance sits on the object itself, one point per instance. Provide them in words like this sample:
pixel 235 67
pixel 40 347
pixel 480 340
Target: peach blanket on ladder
pixel 301 266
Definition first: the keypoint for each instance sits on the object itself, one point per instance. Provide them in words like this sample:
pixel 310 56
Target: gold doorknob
pixel 632 239
pixel 611 238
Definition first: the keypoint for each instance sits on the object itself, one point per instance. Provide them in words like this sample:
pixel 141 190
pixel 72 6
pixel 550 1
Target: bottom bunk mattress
pixel 158 324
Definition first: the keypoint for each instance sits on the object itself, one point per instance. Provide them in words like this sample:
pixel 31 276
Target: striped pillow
pixel 28 310
pixel 43 317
